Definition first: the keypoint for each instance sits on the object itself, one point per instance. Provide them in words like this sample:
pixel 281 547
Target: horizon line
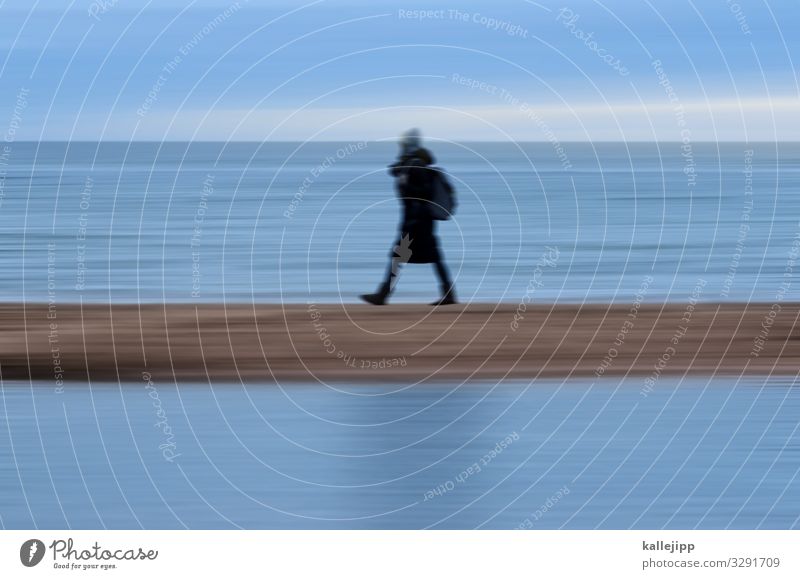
pixel 390 140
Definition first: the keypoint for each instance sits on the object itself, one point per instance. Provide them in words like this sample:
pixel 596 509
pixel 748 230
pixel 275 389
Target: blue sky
pixel 569 70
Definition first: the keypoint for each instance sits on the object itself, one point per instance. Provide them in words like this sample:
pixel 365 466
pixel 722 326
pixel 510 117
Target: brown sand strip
pixel 398 342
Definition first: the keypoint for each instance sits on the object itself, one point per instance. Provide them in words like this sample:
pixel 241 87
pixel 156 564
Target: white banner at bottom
pixel 400 554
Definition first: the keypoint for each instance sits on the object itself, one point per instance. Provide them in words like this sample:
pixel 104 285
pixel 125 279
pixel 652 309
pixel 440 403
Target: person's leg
pixel 391 277
pixel 446 284
pixel 443 274
pixel 386 288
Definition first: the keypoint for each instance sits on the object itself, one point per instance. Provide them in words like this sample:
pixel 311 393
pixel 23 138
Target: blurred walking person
pixel 426 197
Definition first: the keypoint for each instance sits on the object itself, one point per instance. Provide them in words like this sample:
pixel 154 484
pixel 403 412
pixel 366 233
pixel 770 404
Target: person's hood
pixel 411 140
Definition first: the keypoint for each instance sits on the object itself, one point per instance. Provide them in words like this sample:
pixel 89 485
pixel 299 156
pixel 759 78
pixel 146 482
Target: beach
pixel 364 344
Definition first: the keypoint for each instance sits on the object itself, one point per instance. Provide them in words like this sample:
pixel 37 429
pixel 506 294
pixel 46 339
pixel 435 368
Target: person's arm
pixel 396 168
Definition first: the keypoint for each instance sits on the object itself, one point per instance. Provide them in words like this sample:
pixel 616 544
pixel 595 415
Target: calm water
pixel 694 453
pixel 292 222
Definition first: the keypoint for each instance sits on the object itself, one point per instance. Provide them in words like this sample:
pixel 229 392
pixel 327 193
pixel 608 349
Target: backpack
pixel 443 196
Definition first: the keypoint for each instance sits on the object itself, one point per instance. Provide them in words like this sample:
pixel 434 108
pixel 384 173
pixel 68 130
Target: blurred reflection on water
pixel 693 453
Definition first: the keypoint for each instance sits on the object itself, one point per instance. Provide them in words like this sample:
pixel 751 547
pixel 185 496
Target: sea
pixel 297 222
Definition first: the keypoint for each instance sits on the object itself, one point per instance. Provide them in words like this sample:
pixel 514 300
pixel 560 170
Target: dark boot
pixel 379 297
pixel 448 298
pixel 376 299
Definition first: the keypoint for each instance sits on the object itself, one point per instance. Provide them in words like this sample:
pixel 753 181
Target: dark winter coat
pixel 414 186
